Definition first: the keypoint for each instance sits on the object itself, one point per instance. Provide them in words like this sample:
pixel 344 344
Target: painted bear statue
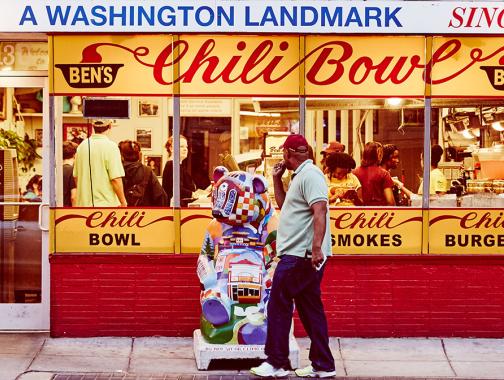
pixel 237 260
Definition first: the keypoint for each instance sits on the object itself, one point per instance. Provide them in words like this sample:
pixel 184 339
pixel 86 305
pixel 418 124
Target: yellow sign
pixel 477 231
pixel 467 66
pixel 378 231
pixel 252 65
pixel 119 230
pixel 112 64
pixel 193 225
pixel 364 66
pixel 354 231
pixel 228 65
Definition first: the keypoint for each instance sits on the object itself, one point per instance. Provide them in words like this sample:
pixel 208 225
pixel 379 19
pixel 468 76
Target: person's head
pixel 35 183
pixel 390 159
pixel 184 148
pixel 332 147
pixel 130 150
pixel 296 150
pixel 339 165
pixel 69 149
pixel 372 155
pixel 436 154
pixel 101 126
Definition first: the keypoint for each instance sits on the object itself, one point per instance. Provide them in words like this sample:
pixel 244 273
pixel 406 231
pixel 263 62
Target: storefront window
pixel 348 126
pixel 470 151
pixel 138 127
pixel 205 142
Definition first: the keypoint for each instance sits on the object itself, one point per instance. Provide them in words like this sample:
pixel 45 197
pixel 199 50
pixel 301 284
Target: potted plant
pixel 26 148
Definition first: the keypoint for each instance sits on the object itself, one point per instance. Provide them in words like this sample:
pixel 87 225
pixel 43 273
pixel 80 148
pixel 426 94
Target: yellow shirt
pixel 338 187
pixel 95 171
pixel 438 183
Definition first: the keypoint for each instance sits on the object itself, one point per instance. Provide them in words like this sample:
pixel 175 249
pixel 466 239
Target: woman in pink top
pixel 376 182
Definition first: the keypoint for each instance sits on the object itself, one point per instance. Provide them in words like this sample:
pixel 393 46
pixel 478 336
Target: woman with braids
pixel 376 182
pixel 344 187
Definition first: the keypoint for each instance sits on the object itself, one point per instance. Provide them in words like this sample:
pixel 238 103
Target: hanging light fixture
pixel 393 102
pixel 498 121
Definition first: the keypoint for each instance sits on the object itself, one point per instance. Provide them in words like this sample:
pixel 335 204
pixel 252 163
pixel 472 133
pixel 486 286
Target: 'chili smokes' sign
pixel 227 65
pixel 378 231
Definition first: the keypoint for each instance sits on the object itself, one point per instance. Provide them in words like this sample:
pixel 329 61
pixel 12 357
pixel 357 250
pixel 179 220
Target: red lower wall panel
pixel 385 296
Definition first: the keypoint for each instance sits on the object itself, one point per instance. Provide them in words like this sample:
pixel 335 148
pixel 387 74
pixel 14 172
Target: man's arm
pixel 117 185
pixel 319 210
pixel 278 171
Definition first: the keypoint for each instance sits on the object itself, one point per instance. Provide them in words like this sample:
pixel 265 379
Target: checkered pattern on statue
pixel 246 207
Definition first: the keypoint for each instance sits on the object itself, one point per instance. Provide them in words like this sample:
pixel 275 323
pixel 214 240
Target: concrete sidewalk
pixel 39 357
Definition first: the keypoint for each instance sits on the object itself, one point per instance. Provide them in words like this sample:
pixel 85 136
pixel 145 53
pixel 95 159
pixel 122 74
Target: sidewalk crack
pixel 447 358
pixel 130 355
pixel 342 358
pixel 36 355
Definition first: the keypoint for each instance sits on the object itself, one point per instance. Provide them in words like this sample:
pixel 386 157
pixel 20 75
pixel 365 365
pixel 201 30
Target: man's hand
pixel 317 258
pixel 278 169
pixel 277 172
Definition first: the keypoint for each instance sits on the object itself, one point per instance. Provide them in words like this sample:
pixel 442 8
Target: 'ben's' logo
pixel 495 75
pixel 89 75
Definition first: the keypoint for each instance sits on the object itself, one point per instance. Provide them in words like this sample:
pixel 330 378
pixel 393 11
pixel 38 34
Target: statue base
pixel 204 352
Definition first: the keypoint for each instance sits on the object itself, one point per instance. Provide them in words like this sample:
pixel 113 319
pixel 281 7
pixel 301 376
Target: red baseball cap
pixel 295 142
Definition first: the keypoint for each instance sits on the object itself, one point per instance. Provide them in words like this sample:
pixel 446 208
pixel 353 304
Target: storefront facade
pixel 244 76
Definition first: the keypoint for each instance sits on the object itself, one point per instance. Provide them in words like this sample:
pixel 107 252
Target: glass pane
pixel 140 137
pixel 20 195
pixel 205 142
pixel 347 126
pixel 264 124
pixel 471 135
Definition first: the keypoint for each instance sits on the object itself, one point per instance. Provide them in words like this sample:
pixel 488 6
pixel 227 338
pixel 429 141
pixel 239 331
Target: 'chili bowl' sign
pixel 120 230
pixel 228 64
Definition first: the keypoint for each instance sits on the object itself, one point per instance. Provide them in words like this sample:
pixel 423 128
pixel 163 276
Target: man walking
pixel 98 170
pixel 303 242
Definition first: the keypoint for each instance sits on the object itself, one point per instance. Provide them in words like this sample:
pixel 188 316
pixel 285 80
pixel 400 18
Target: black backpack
pixel 135 193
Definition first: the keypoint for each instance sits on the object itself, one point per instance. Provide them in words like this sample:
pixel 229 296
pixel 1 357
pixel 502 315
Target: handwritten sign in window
pixel 24 56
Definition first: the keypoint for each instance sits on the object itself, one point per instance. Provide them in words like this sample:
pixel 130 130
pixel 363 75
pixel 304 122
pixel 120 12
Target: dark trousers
pixel 296 280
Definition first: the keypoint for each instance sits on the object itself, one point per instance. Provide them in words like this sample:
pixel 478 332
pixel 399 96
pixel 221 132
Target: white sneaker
pixel 310 372
pixel 267 370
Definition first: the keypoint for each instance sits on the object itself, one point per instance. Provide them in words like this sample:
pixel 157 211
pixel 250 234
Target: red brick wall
pixel 388 296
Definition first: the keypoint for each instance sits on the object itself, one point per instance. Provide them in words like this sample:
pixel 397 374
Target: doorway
pixel 24 150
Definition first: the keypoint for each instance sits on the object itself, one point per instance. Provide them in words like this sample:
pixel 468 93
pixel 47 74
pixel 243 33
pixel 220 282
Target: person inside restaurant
pixel 438 182
pixel 376 182
pixel 344 187
pixel 187 185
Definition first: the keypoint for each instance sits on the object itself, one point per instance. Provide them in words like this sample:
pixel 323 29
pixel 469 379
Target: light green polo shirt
pixel 295 230
pixel 93 186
